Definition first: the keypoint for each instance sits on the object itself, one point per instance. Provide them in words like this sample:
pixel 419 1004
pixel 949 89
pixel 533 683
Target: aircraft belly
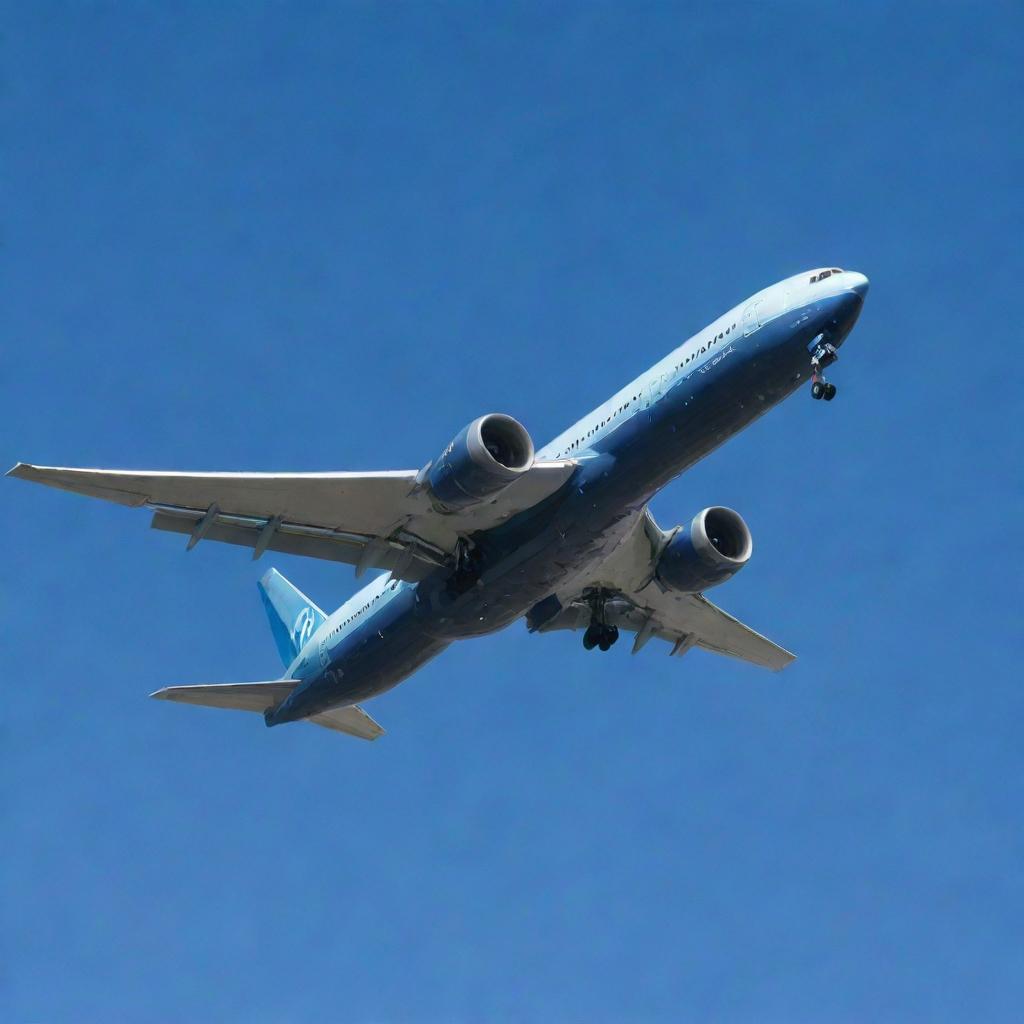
pixel 539 550
pixel 531 557
pixel 371 663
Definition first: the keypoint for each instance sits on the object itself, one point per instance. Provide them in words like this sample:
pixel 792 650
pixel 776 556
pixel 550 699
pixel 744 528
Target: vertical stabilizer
pixel 293 617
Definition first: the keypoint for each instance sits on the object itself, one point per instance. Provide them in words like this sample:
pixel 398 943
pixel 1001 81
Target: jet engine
pixel 715 545
pixel 483 459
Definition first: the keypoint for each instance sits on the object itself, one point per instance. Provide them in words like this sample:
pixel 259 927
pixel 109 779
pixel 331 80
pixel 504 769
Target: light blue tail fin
pixel 293 617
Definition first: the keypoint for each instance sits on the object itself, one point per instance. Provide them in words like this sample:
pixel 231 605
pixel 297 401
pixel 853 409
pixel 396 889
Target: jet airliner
pixel 491 530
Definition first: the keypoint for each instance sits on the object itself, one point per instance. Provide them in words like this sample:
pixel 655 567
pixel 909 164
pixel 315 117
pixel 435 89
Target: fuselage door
pixel 655 388
pixel 751 322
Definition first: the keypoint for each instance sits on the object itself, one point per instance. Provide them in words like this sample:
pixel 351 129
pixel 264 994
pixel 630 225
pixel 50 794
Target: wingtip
pixel 20 470
pixel 160 694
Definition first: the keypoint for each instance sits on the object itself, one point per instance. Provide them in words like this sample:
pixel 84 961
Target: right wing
pixel 370 520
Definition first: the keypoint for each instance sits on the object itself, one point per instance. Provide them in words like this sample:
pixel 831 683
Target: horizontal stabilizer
pixel 352 720
pixel 239 696
pixel 260 697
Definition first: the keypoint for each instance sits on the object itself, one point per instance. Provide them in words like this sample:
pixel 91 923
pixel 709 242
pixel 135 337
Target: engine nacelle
pixel 714 546
pixel 482 460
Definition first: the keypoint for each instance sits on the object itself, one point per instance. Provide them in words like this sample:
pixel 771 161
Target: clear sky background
pixel 325 236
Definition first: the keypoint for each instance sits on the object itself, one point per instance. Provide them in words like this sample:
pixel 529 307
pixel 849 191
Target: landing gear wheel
pixel 598 633
pixel 823 354
pixel 600 636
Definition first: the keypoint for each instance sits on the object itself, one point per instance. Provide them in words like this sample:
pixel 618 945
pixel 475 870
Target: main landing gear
pixel 823 355
pixel 599 633
pixel 600 636
pixel 467 569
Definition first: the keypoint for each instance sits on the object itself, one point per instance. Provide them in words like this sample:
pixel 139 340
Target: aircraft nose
pixel 858 283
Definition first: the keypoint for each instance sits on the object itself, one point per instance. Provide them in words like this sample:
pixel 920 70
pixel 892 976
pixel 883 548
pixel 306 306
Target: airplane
pixel 492 530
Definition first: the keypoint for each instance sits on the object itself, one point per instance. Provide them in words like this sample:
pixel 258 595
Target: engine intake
pixel 481 461
pixel 713 547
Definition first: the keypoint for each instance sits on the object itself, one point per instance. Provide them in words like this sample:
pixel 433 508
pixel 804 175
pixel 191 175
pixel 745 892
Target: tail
pixel 293 617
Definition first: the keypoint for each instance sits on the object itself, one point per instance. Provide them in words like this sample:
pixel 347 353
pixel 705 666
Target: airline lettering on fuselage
pixel 714 362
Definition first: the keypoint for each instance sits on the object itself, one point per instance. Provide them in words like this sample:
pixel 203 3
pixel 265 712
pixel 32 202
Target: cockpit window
pixel 824 274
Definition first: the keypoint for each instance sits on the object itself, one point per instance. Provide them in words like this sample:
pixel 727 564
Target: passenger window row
pixel 714 341
pixel 355 615
pixel 622 408
pixel 593 430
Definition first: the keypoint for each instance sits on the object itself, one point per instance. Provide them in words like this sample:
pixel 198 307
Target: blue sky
pixel 325 236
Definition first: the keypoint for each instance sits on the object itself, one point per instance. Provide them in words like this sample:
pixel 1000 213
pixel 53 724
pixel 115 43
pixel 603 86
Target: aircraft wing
pixel 637 603
pixel 683 620
pixel 370 520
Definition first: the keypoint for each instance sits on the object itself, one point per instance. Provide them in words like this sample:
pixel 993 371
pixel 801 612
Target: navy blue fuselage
pixel 706 391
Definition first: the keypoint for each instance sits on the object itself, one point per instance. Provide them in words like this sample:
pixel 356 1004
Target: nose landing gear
pixel 822 355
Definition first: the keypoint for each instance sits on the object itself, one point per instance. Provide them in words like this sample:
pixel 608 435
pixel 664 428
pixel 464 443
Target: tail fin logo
pixel 305 623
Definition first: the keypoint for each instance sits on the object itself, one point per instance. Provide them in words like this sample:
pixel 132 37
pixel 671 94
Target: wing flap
pixel 410 561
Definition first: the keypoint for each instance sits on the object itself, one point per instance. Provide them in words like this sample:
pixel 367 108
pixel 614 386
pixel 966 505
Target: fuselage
pixel 702 393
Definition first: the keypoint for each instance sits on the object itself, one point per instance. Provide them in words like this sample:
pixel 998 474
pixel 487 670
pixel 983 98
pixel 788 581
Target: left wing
pixel 634 601
pixel 370 520
pixel 683 620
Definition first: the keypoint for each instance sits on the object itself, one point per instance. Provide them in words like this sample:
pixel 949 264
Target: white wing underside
pixel 638 604
pixel 370 520
pixel 685 621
